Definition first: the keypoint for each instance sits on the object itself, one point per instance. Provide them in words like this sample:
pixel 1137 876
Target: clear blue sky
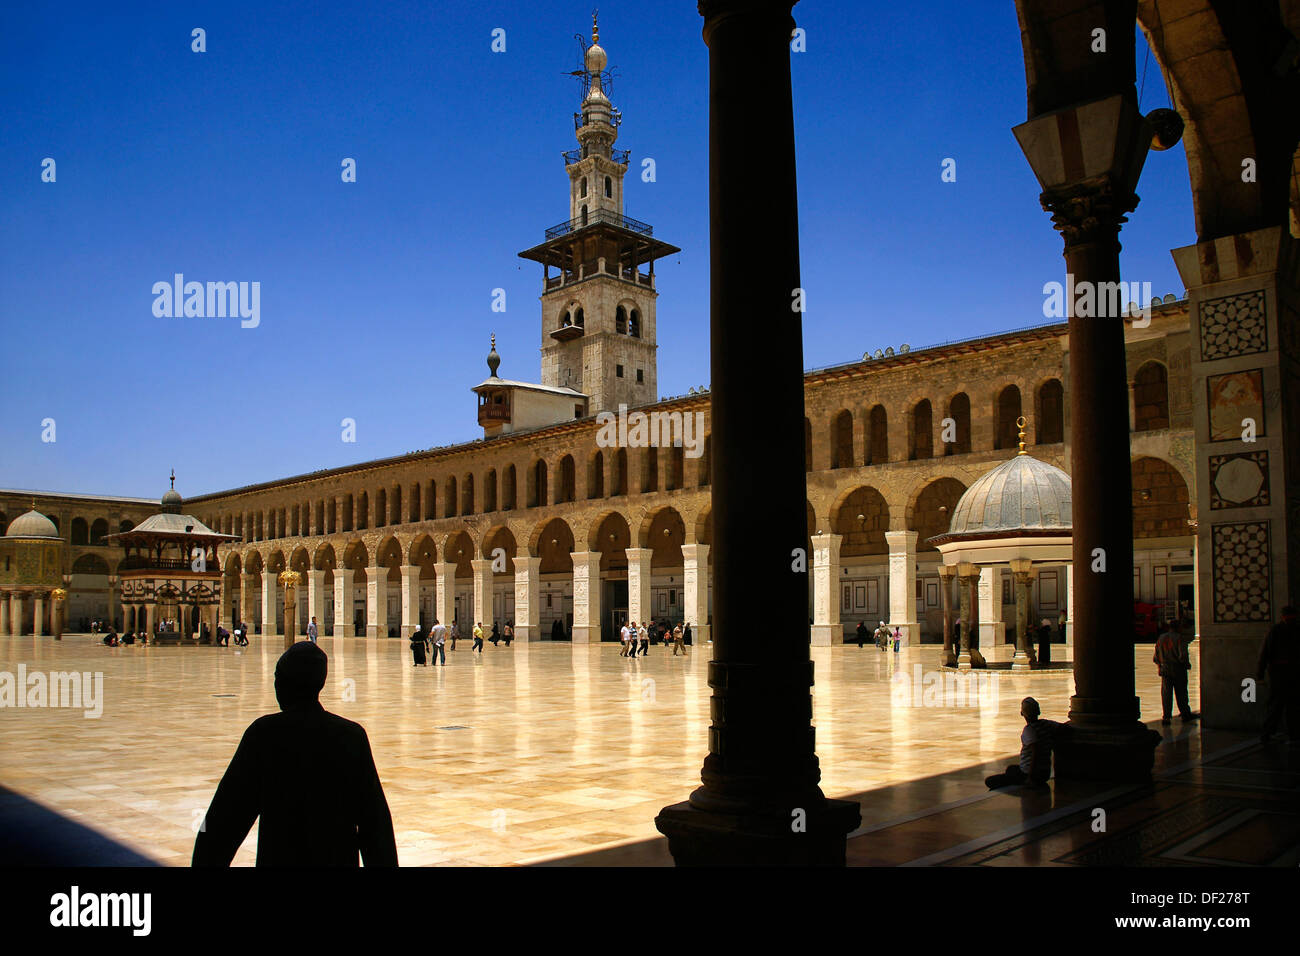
pixel 376 295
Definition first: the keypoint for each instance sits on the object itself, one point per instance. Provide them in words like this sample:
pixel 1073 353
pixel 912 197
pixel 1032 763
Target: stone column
pixel 586 597
pixel 695 578
pixel 762 770
pixel 316 600
pixel 1088 158
pixel 992 628
pixel 344 604
pixel 410 598
pixel 38 617
pixel 826 627
pixel 113 606
pixel 969 656
pixel 526 598
pixel 376 601
pixel 1069 606
pixel 946 573
pixel 247 598
pixel 638 584
pixel 151 620
pixel 482 574
pixel 270 600
pixel 58 607
pixel 290 580
pixel 1022 570
pixel 444 594
pixel 4 615
pixel 902 584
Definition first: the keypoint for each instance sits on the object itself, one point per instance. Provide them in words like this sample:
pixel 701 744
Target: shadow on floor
pixel 34 835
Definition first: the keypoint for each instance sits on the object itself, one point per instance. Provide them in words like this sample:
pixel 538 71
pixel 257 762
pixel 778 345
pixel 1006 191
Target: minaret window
pixel 582 190
pixel 634 325
pixel 620 320
pixel 578 319
pixel 609 188
pixel 584 215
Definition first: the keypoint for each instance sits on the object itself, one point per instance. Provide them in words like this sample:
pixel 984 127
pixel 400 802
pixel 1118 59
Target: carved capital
pixel 1089 211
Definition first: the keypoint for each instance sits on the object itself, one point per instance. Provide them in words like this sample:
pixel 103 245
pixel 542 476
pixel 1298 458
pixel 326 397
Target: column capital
pixel 480 565
pixel 526 563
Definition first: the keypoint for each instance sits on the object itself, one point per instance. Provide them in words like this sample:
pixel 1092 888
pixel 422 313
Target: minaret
pixel 598 313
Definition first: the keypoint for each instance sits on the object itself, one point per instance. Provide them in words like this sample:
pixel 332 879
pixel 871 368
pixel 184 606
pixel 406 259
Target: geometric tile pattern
pixel 1242 589
pixel 1253 464
pixel 1233 325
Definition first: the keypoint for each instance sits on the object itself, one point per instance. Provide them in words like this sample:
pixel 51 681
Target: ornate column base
pixel 1105 746
pixel 700 838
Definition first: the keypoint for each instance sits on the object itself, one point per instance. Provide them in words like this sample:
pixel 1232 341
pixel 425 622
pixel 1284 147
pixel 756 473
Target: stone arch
pixel 253 563
pixel 90 564
pixel 467 494
pixel 388 554
pixel 842 439
pixel 125 525
pixel 619 485
pixel 1151 397
pixel 490 491
pixel 1006 409
pixel 566 491
pixel 596 475
pixel 99 531
pixel 703 525
pixel 959 411
pixel 877 450
pixel 930 509
pixel 663 531
pixel 424 553
pixel 552 541
pixel 1049 413
pixel 356 557
pixel 459 550
pixel 860 516
pixel 703 470
pixel 1161 501
pixel 537 475
pixel 509 489
pixel 450 499
pixel 611 536
pixel 922 429
pixel 325 559
pixel 80 532
pixel 500 536
pixel 300 561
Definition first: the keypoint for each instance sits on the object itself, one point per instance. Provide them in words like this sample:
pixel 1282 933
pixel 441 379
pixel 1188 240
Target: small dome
pixel 171 502
pixel 33 524
pixel 596 58
pixel 1023 494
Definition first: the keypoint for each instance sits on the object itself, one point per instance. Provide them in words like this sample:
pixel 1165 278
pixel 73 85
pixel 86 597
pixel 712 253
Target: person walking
pixel 419 644
pixel 677 641
pixel 882 637
pixel 454 633
pixel 898 638
pixel 861 634
pixel 686 634
pixel 642 637
pixel 1280 657
pixel 1172 664
pixel 496 634
pixel 439 633
pixel 313 632
pixel 478 637
pixel 624 636
pixel 508 632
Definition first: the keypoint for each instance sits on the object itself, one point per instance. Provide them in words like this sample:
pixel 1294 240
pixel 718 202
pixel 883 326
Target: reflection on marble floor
pixel 520 755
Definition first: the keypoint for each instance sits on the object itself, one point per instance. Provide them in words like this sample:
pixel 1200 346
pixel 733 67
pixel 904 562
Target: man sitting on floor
pixel 1035 750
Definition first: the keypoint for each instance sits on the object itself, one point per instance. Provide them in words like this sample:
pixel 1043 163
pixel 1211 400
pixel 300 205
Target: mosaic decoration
pixel 1233 325
pixel 1242 590
pixel 1234 397
pixel 1239 481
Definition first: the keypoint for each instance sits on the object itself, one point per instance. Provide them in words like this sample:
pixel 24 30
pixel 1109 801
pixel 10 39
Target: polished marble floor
pixel 523 755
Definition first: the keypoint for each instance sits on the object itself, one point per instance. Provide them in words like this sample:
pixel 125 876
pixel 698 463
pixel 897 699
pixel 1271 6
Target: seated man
pixel 1035 750
pixel 309 775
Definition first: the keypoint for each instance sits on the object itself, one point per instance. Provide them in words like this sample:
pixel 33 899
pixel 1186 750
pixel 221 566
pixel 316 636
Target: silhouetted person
pixel 861 634
pixel 309 775
pixel 1281 658
pixel 1172 662
pixel 1044 642
pixel 1036 742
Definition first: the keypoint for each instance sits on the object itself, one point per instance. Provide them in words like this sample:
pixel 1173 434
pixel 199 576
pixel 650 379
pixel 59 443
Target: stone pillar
pixel 902 584
pixel 826 627
pixel 1244 302
pixel 4 615
pixel 38 616
pixel 1069 606
pixel 762 768
pixel 638 584
pixel 526 598
pixel 410 598
pixel 151 620
pixel 482 574
pixel 270 599
pixel 316 600
pixel 1022 572
pixel 946 573
pixel 376 601
pixel 992 629
pixel 695 578
pixel 290 581
pixel 967 581
pixel 586 597
pixel 1088 159
pixel 113 606
pixel 344 604
pixel 247 599
pixel 444 593
pixel 58 607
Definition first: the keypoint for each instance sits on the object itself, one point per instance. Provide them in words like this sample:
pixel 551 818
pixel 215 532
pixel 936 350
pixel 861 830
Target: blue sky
pixel 376 295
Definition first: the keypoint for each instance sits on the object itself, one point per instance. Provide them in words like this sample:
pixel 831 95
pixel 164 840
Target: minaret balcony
pixel 601 215
pixel 572 156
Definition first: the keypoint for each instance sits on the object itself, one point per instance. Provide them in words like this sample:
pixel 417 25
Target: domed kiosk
pixel 31 566
pixel 1017 514
pixel 170 573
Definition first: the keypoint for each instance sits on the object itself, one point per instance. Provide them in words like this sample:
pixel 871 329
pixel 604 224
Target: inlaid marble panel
pixel 1242 587
pixel 1239 481
pixel 1233 325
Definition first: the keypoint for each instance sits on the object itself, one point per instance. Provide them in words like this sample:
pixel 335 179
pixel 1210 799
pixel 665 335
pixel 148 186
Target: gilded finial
pixel 1021 423
pixel 595 30
pixel 493 360
pixel 173 479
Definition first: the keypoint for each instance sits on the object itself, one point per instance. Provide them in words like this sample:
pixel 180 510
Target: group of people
pixel 240 635
pixel 112 640
pixel 435 640
pixel 634 638
pixel 882 635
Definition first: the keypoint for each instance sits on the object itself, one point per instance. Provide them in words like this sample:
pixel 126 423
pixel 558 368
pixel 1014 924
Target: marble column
pixel 1088 158
pixel 316 600
pixel 444 594
pixel 376 601
pixel 695 577
pixel 992 628
pixel 902 584
pixel 410 598
pixel 527 600
pixel 481 571
pixel 38 616
pixel 638 585
pixel 113 606
pixel 270 603
pixel 826 627
pixel 290 614
pixel 586 597
pixel 946 573
pixel 151 620
pixel 760 803
pixel 1069 607
pixel 344 603
pixel 247 600
pixel 1022 572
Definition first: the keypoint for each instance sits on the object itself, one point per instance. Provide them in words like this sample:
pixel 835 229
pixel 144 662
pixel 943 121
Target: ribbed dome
pixel 33 524
pixel 1023 494
pixel 171 502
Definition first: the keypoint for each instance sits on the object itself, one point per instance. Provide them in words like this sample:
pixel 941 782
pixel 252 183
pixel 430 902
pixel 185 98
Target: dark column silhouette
pixel 760 802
